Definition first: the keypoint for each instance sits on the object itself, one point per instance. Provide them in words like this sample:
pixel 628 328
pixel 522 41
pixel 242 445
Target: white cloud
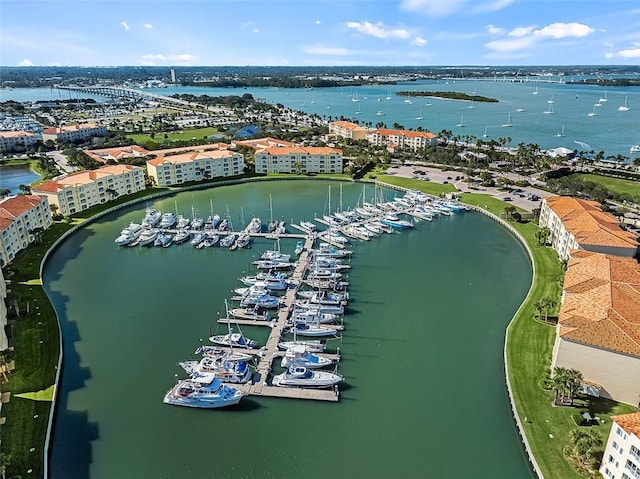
pixel 493 30
pixel 324 50
pixel 378 30
pixel 435 8
pixel 125 25
pixel 171 59
pixel 520 31
pixel 564 30
pixel 419 41
pixel 510 44
pixel 148 26
pixel 608 55
pixel 492 6
pixel 630 53
pixel 25 63
pixel 318 22
pixel 255 30
pixel 153 57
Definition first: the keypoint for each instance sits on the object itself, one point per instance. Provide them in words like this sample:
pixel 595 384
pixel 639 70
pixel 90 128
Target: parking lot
pixel 516 198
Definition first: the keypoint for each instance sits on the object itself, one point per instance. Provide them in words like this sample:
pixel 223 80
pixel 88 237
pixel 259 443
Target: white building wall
pixel 4 343
pixel 16 236
pixel 619 374
pixel 621 455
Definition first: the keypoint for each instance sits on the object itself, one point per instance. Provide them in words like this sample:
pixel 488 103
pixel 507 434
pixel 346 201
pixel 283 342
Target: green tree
pixel 4 192
pixel 542 236
pixel 508 211
pixel 25 189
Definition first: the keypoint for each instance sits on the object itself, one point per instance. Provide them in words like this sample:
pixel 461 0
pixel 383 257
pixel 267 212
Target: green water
pixel 424 394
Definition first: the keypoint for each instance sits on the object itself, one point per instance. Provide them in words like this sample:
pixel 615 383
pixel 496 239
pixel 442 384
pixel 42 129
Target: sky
pixel 319 32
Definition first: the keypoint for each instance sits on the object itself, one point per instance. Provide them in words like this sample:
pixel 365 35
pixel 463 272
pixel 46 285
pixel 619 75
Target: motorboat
pixel 329 298
pixel 325 249
pixel 225 370
pixel 275 255
pixel 324 273
pixel 255 313
pixel 320 308
pixel 337 238
pixel 205 391
pixel 164 240
pixel 234 340
pixel 312 317
pixel 197 239
pixel 265 301
pixel 326 284
pixel 299 376
pixel 308 226
pixel 168 220
pixel 147 237
pixel 254 226
pixel 129 234
pixel 272 281
pixel 211 240
pixel 299 248
pixel 384 228
pixel 299 356
pixel 310 345
pixel 329 263
pixel 181 236
pixel 243 240
pixel 183 222
pixel 223 225
pixel 227 240
pixel 273 265
pixel 197 223
pixel 212 222
pixel 399 224
pixel 151 218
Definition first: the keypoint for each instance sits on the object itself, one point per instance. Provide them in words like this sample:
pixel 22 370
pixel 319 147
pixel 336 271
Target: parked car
pixel 506 198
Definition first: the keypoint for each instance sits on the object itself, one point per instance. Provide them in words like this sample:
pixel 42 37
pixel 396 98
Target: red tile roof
pixel 16 205
pixel 629 422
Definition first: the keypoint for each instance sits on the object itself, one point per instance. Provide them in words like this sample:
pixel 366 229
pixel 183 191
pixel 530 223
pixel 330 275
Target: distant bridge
pixel 130 94
pixel 509 79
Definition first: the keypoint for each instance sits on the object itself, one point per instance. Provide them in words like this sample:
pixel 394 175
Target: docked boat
pixel 327 262
pixel 299 376
pixel 272 265
pixel 300 328
pixel 181 236
pixel 147 237
pixel 254 226
pixel 243 240
pixel 227 240
pixel 255 313
pixel 337 238
pixel 298 356
pixel 274 281
pixel 329 298
pixel 211 240
pixel 312 317
pixel 212 222
pixel 237 372
pixel 329 284
pixel 234 340
pixel 183 222
pixel 129 234
pixel 308 226
pixel 310 345
pixel 319 308
pixel 223 225
pixel 151 218
pixel 164 240
pixel 205 391
pixel 325 249
pixel 399 224
pixel 299 248
pixel 323 273
pixel 265 301
pixel 197 239
pixel 168 220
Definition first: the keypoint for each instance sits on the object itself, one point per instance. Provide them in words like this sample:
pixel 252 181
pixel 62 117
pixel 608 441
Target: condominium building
pixel 621 458
pixel 575 224
pixel 413 140
pixel 169 170
pixel 296 159
pixel 73 133
pixel 262 143
pixel 17 140
pixel 84 189
pixel 20 217
pixel 117 153
pixel 347 129
pixel 4 344
pixel 598 329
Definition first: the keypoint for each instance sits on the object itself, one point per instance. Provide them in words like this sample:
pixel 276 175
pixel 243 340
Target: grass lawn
pixel 617 185
pixel 140 138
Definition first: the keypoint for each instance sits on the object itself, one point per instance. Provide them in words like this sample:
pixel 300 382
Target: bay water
pixel 424 392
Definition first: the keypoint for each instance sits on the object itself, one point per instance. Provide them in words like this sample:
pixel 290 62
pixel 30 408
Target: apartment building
pixel 347 129
pixel 599 323
pixel 116 154
pixel 399 139
pixel 4 343
pixel 576 223
pixel 169 170
pixel 298 160
pixel 74 133
pixel 17 140
pixel 20 217
pixel 84 189
pixel 621 458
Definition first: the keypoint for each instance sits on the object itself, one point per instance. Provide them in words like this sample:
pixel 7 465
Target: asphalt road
pixel 439 176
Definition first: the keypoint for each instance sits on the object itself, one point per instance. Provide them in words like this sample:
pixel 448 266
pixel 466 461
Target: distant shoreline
pixel 448 95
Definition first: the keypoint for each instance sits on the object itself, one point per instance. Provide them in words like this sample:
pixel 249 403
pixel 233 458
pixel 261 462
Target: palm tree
pixel 4 192
pixel 25 189
pixel 573 383
pixel 542 236
pixel 559 379
pixel 584 443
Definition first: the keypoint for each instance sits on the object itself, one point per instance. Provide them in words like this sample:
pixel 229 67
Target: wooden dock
pixel 270 351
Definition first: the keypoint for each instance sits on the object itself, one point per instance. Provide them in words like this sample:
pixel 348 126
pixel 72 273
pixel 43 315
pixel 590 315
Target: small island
pixel 450 95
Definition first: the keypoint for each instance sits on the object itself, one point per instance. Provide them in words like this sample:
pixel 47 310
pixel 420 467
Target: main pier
pixel 259 386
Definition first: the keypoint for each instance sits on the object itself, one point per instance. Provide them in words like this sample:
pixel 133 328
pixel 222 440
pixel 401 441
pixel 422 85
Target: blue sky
pixel 319 32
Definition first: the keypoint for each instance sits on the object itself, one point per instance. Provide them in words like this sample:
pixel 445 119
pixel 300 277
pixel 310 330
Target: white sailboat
pixel 358 109
pixel 389 95
pixel 594 112
pixel 560 134
pixel 604 99
pixel 549 111
pixel 471 106
pixel 508 124
pixel 485 134
pixel 355 96
pixel 535 92
pixel 521 109
pixel 420 117
pixel 624 107
pixel 461 124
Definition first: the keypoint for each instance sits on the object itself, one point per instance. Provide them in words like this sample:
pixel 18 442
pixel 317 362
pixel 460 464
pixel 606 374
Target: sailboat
pixel 461 124
pixel 471 106
pixel 593 113
pixel 420 117
pixel 231 339
pixel 549 111
pixel 508 124
pixel 624 107
pixel 355 96
pixel 550 101
pixel 604 98
pixel 560 134
pixel 485 135
pixel 389 95
pixel 358 110
pixel 521 109
pixel 535 92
